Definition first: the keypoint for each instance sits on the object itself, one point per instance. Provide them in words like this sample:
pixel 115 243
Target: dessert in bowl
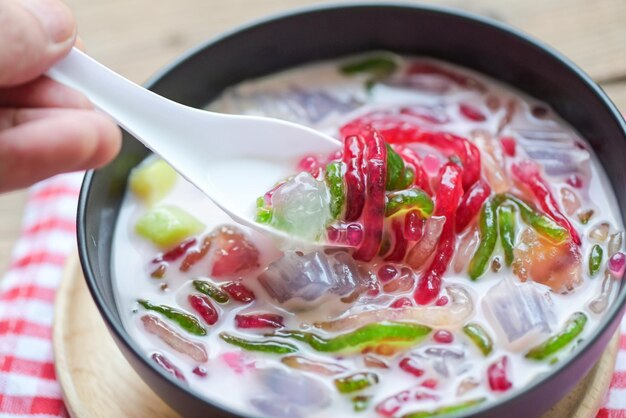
pixel 469 243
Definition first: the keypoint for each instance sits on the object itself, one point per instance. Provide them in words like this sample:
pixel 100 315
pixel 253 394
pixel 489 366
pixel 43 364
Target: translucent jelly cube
pixel 302 207
pixel 295 388
pixel 522 313
pixel 300 281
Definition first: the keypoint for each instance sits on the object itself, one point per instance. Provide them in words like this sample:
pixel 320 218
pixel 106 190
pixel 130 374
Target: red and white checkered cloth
pixel 28 386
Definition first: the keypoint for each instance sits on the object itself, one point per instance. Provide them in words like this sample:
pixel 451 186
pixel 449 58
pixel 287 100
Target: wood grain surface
pixel 99 383
pixel 137 37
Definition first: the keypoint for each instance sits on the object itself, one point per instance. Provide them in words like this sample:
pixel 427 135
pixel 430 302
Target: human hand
pixel 45 128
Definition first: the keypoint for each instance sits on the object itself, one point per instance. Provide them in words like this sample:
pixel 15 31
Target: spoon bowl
pixel 233 159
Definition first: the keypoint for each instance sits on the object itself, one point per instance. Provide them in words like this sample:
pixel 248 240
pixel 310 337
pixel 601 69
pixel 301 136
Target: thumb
pixel 33 35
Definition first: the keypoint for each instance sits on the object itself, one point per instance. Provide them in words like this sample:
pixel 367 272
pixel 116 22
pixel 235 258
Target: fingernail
pixel 55 18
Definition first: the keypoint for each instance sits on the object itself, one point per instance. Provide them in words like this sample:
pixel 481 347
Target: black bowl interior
pixel 323 33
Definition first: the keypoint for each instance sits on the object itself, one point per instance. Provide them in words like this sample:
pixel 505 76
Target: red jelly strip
pixel 460 79
pixel 388 407
pixel 410 366
pixel 266 320
pixel 176 252
pixel 354 149
pixel 400 242
pixel 168 366
pixel 498 376
pixel 399 129
pixel 471 203
pixel 413 225
pixel 401 302
pixel 204 307
pixel 447 200
pixel 374 208
pixel 194 256
pixel 472 113
pixel 421 178
pixel 528 173
pixel 238 292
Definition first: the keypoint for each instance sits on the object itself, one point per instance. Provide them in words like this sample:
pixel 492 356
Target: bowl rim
pixel 610 318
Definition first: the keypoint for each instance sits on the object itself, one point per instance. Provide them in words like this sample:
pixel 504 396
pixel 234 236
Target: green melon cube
pixel 153 181
pixel 167 225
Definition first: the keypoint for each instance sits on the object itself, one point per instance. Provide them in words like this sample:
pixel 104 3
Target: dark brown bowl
pixel 326 32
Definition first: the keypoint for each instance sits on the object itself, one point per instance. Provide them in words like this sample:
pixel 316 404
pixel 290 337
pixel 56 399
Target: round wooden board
pixel 98 382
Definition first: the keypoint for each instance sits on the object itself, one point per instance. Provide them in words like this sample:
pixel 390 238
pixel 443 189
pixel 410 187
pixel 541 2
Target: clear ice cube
pixel 301 281
pixel 301 207
pixel 522 313
pixel 446 361
pixel 295 388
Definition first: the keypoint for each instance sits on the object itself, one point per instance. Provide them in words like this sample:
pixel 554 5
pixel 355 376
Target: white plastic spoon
pixel 232 159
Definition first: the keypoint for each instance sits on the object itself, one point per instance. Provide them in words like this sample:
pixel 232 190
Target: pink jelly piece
pixel 309 163
pixel 411 366
pixel 354 234
pixel 617 264
pixel 233 252
pixel 255 321
pixel 471 112
pixel 401 302
pixel 332 234
pixel 443 336
pixel 575 181
pixel 238 292
pixel 388 407
pixel 236 361
pixel 168 366
pixel 430 383
pixel 176 252
pixel 199 371
pixel 442 301
pixel 508 145
pixel 387 272
pixel 497 375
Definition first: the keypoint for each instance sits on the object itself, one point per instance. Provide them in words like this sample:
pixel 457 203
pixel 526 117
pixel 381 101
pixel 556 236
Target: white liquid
pixel 132 255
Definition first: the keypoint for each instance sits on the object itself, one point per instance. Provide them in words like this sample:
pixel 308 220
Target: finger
pixel 55 142
pixel 80 44
pixel 35 34
pixel 43 92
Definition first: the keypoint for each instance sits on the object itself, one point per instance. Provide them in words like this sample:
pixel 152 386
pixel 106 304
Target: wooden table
pixel 137 37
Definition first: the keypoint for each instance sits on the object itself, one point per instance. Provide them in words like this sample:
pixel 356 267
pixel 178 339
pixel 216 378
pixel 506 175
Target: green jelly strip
pixel 413 198
pixel 186 321
pixel 395 170
pixel 445 410
pixel 393 333
pixel 356 382
pixel 595 259
pixel 361 402
pixel 265 346
pixel 263 213
pixel 572 329
pixel 488 228
pixel 539 222
pixel 480 337
pixel 378 66
pixel 409 177
pixel 506 226
pixel 334 181
pixel 211 290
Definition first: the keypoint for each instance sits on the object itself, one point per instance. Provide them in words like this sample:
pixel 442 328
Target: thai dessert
pixel 461 241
